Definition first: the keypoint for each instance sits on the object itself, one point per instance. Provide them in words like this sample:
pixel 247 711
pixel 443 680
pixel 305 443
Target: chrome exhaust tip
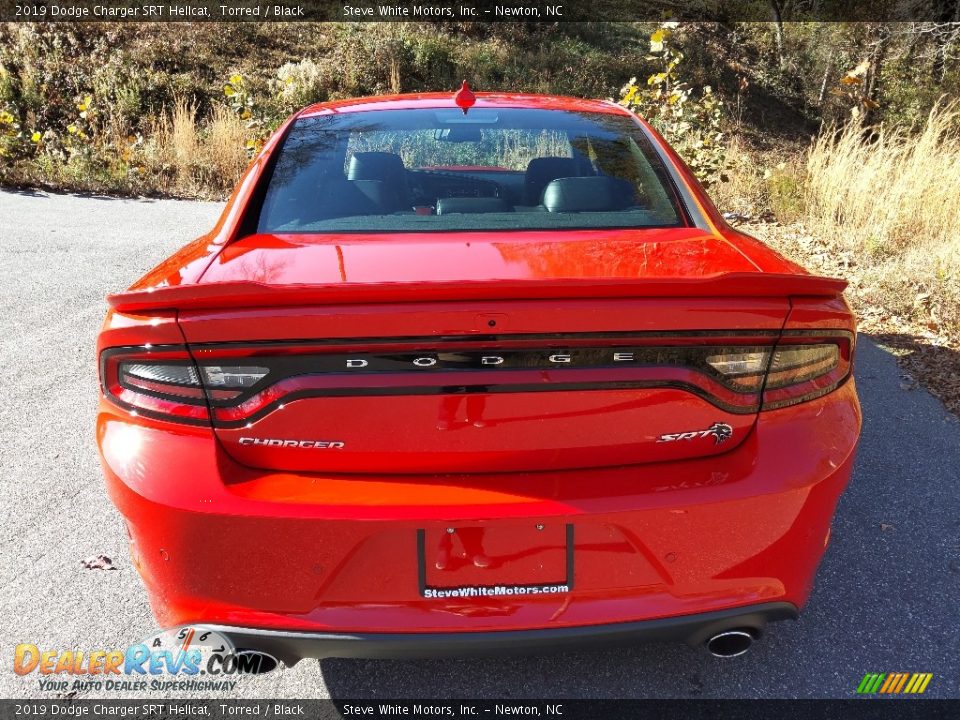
pixel 730 643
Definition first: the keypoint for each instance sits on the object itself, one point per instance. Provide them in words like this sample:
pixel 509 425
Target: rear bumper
pixel 659 548
pixel 290 647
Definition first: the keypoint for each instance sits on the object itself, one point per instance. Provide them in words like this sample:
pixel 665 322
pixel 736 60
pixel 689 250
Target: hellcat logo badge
pixel 721 432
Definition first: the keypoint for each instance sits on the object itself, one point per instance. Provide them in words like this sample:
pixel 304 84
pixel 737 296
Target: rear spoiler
pixel 208 296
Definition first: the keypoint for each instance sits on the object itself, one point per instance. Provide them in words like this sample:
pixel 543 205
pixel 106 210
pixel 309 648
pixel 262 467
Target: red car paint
pixel 341 526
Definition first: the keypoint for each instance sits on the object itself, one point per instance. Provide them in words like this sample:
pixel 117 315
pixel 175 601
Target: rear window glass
pixel 438 169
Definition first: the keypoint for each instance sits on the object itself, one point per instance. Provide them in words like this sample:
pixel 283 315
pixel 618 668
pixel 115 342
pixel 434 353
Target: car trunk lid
pixel 473 354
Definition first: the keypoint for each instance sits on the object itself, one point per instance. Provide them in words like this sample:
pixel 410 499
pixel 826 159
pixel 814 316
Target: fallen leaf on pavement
pixel 98 562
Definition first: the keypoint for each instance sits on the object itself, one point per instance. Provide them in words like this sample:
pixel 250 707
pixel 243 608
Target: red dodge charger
pixel 470 375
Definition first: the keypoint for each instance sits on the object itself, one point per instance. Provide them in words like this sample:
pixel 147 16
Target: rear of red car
pixel 404 403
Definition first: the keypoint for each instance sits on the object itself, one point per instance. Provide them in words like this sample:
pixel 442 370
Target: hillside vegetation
pixel 835 142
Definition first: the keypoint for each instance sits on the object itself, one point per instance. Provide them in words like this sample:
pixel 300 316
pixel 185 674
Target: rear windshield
pixel 438 169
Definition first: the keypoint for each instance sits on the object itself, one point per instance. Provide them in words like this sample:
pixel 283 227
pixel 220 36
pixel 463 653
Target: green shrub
pixel 691 123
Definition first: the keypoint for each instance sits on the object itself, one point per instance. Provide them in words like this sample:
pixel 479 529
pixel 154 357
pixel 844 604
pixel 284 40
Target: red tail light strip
pixel 495 364
pixel 454 382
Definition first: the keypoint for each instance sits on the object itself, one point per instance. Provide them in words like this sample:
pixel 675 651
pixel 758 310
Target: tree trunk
pixel 778 29
pixel 949 15
pixel 826 77
pixel 872 83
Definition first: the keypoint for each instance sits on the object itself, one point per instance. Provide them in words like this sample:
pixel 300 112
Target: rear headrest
pixel 375 166
pixel 447 206
pixel 342 198
pixel 587 194
pixel 540 171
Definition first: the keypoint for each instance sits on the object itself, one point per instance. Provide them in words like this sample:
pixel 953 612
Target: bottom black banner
pixel 863 709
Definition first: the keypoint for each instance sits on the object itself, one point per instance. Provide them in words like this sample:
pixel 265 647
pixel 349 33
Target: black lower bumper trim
pixel 290 647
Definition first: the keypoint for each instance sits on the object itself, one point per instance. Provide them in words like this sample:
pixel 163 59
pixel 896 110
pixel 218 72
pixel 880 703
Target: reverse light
pixel 741 370
pixel 233 376
pixel 739 363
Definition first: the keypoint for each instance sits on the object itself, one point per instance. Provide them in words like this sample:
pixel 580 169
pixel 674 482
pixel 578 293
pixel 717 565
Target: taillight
pixel 742 368
pixel 232 385
pixel 158 382
pixel 805 367
pixel 794 365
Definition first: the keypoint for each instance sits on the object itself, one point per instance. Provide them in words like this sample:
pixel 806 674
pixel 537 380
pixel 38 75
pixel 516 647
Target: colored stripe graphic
pixel 894 683
pixel 870 683
pixel 903 679
pixel 891 681
pixel 918 683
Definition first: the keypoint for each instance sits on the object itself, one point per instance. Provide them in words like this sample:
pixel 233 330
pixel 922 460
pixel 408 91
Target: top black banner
pixel 936 11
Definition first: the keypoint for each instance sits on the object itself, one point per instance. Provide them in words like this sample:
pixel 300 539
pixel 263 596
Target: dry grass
pixel 198 160
pixel 893 201
pixel 762 183
pixel 180 138
pixel 883 212
pixel 892 190
pixel 744 192
pixel 223 151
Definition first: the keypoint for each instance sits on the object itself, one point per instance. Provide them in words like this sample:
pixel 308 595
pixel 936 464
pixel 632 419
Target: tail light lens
pixel 157 383
pixel 159 378
pixel 793 365
pixel 235 385
pixel 806 367
pixel 803 366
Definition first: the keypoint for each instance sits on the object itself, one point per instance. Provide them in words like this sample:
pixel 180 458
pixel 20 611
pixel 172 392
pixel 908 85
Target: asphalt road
pixel 887 595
